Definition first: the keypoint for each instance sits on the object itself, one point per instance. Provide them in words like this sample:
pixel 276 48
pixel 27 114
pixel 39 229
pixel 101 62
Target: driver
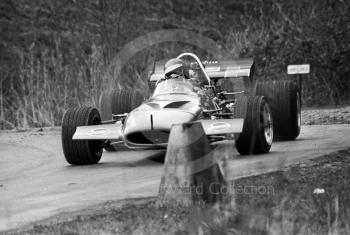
pixel 175 68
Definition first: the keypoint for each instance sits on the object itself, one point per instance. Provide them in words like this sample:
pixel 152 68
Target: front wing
pixel 115 131
pixel 222 126
pixel 99 132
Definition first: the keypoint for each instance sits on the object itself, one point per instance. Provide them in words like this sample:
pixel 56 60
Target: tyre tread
pixel 282 97
pixel 77 152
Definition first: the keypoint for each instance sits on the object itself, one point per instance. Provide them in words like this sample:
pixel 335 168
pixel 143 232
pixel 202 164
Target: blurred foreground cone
pixel 191 173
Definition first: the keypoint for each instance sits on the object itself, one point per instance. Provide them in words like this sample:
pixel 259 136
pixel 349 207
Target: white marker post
pixel 298 69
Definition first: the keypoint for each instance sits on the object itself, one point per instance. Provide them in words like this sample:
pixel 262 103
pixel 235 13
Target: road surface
pixel 36 182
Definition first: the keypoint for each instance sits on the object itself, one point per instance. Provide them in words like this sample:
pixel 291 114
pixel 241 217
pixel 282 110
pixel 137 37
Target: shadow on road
pixel 151 161
pixel 158 157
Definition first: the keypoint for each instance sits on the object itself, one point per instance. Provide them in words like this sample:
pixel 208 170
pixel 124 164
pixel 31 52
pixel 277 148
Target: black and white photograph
pixel 174 117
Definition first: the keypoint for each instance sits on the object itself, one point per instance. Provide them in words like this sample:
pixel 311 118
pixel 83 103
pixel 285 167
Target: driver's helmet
pixel 174 66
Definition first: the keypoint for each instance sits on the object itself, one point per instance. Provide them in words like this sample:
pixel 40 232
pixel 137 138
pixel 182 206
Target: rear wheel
pixel 257 133
pixel 125 101
pixel 105 105
pixel 80 152
pixel 284 98
pixel 118 102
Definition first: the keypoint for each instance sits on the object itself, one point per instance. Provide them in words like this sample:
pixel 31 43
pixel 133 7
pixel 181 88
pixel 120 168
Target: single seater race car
pixel 249 112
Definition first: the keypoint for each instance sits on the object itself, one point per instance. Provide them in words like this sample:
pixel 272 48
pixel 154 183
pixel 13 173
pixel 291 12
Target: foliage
pixel 54 54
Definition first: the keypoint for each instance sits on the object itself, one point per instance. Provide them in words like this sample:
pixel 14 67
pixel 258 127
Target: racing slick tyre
pixel 118 102
pixel 285 101
pixel 125 101
pixel 105 105
pixel 80 152
pixel 257 133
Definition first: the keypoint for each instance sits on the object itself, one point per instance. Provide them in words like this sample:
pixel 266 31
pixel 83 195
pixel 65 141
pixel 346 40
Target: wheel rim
pixel 298 110
pixel 267 124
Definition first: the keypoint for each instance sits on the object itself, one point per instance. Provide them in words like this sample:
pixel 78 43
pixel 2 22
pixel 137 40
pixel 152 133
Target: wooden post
pixel 191 173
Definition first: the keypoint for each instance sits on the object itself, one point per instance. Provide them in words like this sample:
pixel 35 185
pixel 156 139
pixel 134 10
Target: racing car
pixel 222 95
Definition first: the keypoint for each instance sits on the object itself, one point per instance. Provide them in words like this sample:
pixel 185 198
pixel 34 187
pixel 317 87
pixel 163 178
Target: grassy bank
pixel 54 54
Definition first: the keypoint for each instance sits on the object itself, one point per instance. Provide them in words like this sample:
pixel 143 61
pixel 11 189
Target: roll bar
pixel 198 61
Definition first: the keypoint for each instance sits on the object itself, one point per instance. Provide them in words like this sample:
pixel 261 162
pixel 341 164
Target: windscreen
pixel 174 86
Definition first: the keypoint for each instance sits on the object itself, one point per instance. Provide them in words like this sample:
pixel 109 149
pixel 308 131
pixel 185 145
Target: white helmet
pixel 173 66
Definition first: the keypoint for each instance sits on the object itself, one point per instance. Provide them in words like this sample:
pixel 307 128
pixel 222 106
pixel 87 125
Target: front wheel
pixel 257 133
pixel 80 152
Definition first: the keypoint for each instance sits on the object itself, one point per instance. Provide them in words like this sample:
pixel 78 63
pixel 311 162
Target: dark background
pixel 53 53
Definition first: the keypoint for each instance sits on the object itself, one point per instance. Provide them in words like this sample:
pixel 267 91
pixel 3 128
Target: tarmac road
pixel 36 182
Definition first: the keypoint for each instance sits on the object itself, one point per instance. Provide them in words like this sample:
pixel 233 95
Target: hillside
pixel 55 54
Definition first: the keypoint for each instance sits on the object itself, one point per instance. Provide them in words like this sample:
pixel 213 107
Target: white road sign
pixel 298 69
